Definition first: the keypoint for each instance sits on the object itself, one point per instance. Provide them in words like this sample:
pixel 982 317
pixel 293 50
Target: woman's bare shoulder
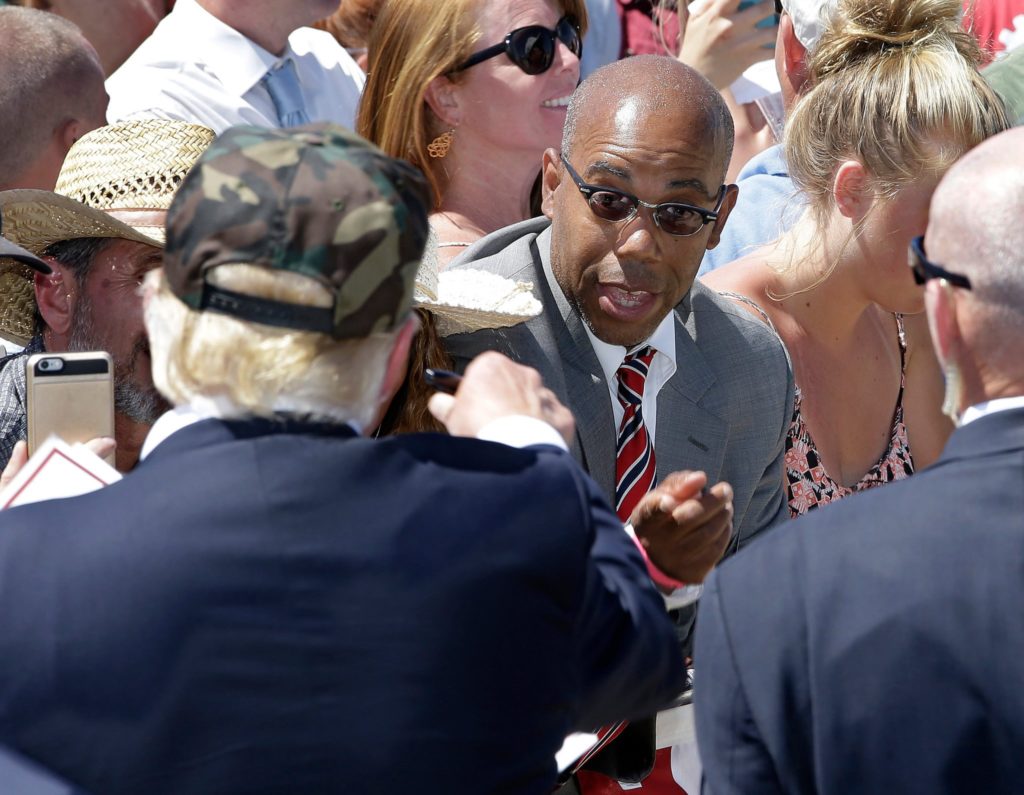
pixel 749 278
pixel 748 275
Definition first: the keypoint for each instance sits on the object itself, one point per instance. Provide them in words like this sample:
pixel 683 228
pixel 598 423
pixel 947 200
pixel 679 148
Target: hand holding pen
pixel 494 387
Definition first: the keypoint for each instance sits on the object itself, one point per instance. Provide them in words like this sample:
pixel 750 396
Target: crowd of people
pixel 484 372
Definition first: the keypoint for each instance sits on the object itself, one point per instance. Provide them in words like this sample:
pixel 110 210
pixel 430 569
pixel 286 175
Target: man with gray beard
pixel 100 233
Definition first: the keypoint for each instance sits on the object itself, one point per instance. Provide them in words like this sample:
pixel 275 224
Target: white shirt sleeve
pixel 518 430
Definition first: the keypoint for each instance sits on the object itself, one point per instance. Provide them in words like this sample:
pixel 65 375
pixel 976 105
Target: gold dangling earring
pixel 441 145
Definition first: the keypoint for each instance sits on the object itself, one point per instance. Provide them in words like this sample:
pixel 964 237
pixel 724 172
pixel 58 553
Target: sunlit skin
pixel 111 296
pixel 503 103
pixel 503 119
pixel 625 277
pixel 831 293
pixel 113 289
pixel 269 23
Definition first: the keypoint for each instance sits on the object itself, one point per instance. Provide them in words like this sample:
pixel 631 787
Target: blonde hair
pixel 413 42
pixel 261 370
pixel 894 85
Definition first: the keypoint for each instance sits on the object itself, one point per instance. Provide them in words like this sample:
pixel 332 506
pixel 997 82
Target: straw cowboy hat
pixel 465 300
pixel 116 181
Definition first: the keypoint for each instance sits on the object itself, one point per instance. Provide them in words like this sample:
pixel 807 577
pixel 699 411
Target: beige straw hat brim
pixel 36 219
pixel 470 300
pixel 117 181
pixel 17 302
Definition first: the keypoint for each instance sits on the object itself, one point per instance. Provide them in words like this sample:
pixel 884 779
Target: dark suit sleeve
pixel 628 656
pixel 734 756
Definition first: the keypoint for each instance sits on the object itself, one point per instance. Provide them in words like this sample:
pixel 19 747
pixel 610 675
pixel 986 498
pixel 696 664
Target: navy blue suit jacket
pixel 877 645
pixel 267 607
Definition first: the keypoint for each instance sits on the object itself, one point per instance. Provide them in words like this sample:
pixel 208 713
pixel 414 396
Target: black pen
pixel 442 380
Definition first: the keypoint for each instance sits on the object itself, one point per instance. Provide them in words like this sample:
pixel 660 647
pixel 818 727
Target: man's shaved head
pixel 652 132
pixel 51 77
pixel 976 214
pixel 650 85
pixel 975 229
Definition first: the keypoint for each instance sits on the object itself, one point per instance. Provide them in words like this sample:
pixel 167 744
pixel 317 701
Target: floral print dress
pixel 808 485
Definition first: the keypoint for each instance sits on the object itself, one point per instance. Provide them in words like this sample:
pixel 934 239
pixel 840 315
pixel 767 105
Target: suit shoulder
pixel 747 356
pixel 721 313
pixel 510 252
pixel 475 457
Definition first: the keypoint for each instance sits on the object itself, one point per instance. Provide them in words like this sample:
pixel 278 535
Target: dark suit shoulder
pixel 870 605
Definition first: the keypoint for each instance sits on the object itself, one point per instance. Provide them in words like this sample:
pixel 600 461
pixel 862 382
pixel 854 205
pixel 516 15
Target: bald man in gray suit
pixel 652 128
pixel 631 203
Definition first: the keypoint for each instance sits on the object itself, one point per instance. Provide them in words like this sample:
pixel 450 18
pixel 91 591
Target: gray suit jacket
pixel 725 411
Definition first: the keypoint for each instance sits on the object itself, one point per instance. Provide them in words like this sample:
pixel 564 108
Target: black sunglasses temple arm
pixel 480 57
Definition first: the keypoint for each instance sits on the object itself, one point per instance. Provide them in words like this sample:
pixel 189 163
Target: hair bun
pixel 866 29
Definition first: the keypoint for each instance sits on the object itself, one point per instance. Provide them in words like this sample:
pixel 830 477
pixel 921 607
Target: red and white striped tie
pixel 634 473
pixel 634 452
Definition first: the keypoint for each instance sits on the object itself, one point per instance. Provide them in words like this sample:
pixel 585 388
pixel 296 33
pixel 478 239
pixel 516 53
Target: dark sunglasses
pixel 532 48
pixel 924 269
pixel 675 218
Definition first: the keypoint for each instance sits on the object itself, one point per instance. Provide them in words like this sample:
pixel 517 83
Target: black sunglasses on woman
pixel 532 48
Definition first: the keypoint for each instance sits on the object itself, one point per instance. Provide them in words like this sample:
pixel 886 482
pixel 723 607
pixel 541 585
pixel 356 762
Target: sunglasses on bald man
pixel 532 48
pixel 924 269
pixel 675 218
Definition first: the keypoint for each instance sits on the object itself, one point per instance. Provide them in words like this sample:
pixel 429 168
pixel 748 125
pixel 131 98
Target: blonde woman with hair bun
pixel 896 98
pixel 472 92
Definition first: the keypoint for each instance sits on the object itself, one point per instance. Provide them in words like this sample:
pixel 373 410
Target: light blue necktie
pixel 283 86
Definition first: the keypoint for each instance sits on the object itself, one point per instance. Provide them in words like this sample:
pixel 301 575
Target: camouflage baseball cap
pixel 316 200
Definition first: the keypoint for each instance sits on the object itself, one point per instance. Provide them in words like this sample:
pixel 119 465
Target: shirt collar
pixel 979 410
pixel 238 62
pixel 199 409
pixel 663 340
pixel 181 417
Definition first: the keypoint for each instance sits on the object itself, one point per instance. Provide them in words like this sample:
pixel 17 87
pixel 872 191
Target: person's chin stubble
pixel 139 404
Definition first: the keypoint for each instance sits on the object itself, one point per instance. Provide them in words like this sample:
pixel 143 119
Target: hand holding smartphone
pixel 70 395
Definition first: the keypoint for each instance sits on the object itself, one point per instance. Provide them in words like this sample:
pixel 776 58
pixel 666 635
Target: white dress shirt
pixel 663 367
pixel 196 68
pixel 980 410
pixel 513 430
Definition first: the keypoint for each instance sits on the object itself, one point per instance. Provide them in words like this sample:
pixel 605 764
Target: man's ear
pixel 69 132
pixel 54 298
pixel 852 190
pixel 732 192
pixel 551 177
pixel 793 60
pixel 940 304
pixel 442 97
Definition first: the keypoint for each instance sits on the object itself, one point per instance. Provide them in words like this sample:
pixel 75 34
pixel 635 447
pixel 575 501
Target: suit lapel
pixel 587 392
pixel 688 436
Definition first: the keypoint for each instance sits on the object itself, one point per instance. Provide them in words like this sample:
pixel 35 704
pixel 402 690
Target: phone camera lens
pixel 51 365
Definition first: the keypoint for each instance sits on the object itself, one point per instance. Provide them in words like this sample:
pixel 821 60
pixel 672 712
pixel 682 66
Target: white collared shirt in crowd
pixel 663 367
pixel 196 68
pixel 513 430
pixel 979 410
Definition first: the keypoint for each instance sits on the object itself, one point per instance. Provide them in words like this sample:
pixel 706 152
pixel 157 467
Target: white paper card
pixel 58 470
